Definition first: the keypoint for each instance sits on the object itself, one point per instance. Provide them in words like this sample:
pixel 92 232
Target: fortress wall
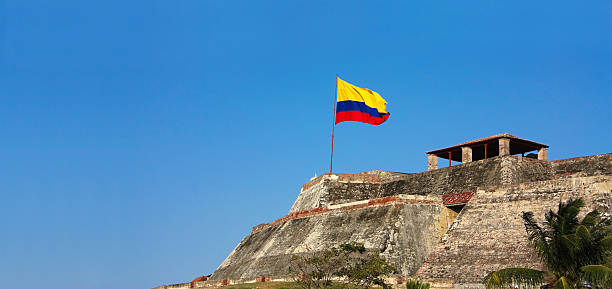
pixel 344 188
pixel 390 200
pixel 489 233
pixel 405 233
pixel 469 176
pixel 175 286
pixel 312 195
pixel 456 179
pixel 203 284
pixel 584 166
pixel 403 216
pixel 375 208
pixel 517 169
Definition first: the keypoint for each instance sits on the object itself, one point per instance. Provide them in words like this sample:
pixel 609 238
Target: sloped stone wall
pixel 489 233
pixel 405 233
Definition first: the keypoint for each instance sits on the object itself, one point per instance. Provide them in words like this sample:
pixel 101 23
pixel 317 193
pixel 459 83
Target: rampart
pixel 583 166
pixel 343 188
pixel 450 226
pixel 404 229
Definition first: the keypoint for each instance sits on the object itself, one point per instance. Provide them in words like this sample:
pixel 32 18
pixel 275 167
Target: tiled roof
pixel 489 138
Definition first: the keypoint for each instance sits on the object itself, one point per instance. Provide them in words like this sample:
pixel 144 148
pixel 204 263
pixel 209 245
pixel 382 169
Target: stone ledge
pixel 385 201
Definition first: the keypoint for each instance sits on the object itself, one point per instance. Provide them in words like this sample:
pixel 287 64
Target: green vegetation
pixel 416 284
pixel 577 254
pixel 264 285
pixel 349 262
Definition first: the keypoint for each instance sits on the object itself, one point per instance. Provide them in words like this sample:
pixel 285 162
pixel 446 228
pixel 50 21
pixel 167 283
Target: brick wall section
pixel 459 198
pixel 489 233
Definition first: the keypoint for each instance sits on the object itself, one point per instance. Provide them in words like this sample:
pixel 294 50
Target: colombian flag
pixel 359 104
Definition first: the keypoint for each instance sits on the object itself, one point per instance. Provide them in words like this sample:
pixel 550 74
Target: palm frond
pixel 571 208
pixel 534 231
pixel 591 219
pixel 567 216
pixel 563 283
pixel 605 244
pixel 524 277
pixel 597 275
pixel 583 233
pixel 570 248
pixel 539 237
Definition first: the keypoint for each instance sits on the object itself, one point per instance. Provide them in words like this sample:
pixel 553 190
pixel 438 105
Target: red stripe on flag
pixel 360 117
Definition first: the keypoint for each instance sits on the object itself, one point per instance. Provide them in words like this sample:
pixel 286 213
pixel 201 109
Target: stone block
pixel 504 147
pixel 543 154
pixel 432 162
pixel 466 154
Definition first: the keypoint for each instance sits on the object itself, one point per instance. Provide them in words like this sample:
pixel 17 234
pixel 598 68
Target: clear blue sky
pixel 141 140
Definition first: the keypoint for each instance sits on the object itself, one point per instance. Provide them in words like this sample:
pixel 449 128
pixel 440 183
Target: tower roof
pixel 517 146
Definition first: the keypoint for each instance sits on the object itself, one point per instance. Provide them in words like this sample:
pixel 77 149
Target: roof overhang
pixel 488 146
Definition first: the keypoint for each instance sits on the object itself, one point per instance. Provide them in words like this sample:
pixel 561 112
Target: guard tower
pixel 497 145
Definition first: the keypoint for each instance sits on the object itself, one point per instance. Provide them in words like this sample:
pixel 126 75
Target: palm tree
pixel 577 254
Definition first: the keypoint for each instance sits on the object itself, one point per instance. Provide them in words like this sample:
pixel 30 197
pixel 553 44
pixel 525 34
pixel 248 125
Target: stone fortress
pixel 448 226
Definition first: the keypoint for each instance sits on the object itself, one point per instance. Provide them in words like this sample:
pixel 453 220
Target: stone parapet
pixel 335 189
pixel 583 166
pixel 314 193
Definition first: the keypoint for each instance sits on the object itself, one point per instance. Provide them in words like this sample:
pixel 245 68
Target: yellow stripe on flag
pixel 347 91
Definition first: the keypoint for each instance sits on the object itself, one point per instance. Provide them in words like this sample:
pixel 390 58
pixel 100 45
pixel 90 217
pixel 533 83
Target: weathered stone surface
pixel 332 189
pixel 583 166
pixel 543 154
pixel 432 162
pixel 405 233
pixel 504 147
pixel 466 154
pixel 489 233
pixel 404 216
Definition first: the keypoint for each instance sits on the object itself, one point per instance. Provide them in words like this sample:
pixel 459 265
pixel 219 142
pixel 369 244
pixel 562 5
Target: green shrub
pixel 416 284
pixel 349 261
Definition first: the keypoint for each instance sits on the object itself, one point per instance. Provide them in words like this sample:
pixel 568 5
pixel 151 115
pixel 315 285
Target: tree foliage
pixel 576 252
pixel 367 271
pixel 522 277
pixel 349 262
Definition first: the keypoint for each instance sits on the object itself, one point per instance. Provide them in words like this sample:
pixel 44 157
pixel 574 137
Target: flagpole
pixel 331 161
